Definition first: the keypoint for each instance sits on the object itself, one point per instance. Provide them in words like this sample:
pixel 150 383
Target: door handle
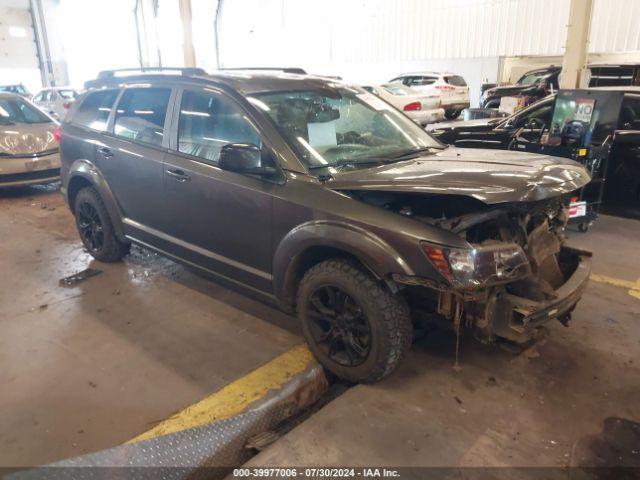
pixel 178 174
pixel 106 152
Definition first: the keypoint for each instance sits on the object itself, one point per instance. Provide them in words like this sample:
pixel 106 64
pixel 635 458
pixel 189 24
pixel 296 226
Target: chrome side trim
pixel 212 272
pixel 194 248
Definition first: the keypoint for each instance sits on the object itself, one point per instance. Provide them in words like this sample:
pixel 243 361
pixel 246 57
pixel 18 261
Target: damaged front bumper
pixel 515 317
pixel 511 311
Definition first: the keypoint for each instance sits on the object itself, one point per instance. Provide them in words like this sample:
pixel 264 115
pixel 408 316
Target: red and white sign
pixel 577 209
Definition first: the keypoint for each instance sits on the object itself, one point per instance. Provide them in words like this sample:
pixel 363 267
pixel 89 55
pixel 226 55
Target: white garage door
pixel 18 52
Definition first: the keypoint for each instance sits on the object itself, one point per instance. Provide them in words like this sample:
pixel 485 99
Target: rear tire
pixel 493 104
pixel 363 335
pixel 452 114
pixel 96 229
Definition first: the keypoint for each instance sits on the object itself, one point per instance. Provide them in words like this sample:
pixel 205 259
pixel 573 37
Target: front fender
pixel 89 172
pixel 372 251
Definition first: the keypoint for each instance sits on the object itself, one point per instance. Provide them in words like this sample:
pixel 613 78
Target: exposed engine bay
pixel 517 275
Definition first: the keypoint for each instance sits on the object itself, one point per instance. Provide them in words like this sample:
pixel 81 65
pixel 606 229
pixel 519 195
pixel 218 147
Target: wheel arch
pixel 314 242
pixel 83 174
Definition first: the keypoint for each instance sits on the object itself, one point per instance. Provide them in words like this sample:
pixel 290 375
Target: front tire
pixel 356 329
pixel 96 229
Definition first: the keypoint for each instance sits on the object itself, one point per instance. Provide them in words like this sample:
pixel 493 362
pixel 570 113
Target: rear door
pixel 131 156
pixel 216 218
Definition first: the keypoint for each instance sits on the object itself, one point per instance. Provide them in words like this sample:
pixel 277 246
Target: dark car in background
pixel 538 83
pixel 532 85
pixel 324 199
pixel 525 129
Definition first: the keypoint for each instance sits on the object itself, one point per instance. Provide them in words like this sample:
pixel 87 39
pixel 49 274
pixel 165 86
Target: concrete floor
pixel 90 367
pixel 572 400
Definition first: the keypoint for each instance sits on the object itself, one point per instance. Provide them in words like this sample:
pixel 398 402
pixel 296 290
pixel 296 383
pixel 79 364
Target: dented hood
pixel 491 176
pixel 27 139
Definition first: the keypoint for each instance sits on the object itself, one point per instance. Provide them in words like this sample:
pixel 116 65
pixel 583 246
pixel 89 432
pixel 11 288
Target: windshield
pixel 342 126
pixel 532 78
pixel 16 110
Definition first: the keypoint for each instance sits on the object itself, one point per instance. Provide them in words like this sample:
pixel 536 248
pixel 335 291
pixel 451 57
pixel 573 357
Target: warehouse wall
pixel 18 51
pixel 369 40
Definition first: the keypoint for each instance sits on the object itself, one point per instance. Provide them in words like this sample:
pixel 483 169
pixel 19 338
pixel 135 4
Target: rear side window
pixel 456 81
pixel 208 121
pixel 68 94
pixel 419 81
pixel 95 109
pixel 141 113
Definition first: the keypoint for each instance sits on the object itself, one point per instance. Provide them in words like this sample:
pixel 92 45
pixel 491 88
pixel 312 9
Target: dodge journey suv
pixel 326 200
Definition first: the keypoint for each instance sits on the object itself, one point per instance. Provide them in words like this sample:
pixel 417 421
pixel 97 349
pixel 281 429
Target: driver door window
pixel 208 121
pixel 537 119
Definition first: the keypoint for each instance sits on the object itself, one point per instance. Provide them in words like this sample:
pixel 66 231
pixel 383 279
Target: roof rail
pixel 105 74
pixel 296 70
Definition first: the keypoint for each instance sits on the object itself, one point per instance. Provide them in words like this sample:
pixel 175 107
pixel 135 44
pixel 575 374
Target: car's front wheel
pixel 95 227
pixel 357 329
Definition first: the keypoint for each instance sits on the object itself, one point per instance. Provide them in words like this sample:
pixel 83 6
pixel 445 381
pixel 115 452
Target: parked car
pixel 452 89
pixel 55 100
pixel 533 85
pixel 16 88
pixel 318 196
pixel 28 146
pixel 421 108
pixel 526 128
pixel 538 83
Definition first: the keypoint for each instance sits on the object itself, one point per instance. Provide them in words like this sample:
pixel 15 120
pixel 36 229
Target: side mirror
pixel 243 158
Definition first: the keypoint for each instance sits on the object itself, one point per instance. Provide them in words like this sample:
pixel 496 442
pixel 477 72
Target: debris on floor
pixel 73 280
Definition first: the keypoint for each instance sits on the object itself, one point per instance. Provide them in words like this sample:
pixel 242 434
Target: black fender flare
pixel 89 172
pixel 380 258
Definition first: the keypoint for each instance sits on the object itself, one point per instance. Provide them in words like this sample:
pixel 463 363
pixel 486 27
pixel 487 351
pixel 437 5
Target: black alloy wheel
pixel 90 227
pixel 339 326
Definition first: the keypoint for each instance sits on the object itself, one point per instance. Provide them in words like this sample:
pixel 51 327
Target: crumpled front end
pixel 518 274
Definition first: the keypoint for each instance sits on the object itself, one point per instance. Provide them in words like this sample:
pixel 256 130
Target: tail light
pixel 412 107
pixel 445 88
pixel 57 134
pixel 66 105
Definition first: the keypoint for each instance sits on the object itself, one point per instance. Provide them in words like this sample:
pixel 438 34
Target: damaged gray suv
pixel 326 200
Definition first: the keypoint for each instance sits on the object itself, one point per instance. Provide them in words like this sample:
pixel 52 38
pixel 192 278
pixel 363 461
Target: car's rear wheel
pixel 357 329
pixel 452 114
pixel 96 229
pixel 493 104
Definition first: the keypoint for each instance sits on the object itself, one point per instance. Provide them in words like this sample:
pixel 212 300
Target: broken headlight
pixel 478 267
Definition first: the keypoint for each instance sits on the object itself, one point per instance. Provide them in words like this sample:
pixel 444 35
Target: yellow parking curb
pixel 633 287
pixel 237 396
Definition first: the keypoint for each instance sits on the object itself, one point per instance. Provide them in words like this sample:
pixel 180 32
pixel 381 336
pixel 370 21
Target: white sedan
pixel 421 108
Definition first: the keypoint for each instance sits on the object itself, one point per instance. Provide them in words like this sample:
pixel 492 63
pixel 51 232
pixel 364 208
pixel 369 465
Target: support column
pixel 577 43
pixel 187 35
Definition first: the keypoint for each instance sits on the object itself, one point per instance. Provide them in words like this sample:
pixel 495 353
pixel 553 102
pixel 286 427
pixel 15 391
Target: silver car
pixel 55 100
pixel 29 151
